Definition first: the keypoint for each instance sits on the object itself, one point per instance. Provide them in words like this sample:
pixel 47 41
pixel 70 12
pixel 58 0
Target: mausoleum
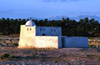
pixel 32 36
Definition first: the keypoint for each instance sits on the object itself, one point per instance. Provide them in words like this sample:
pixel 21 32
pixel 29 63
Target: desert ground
pixel 11 55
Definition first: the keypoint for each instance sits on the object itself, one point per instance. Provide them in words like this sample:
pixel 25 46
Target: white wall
pixel 76 42
pixel 28 38
pixel 48 31
pixel 27 35
pixel 47 42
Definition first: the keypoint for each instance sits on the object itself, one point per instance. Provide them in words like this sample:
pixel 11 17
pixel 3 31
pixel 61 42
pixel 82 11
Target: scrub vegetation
pixel 61 56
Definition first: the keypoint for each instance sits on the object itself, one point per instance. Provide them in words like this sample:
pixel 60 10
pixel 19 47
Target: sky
pixel 48 8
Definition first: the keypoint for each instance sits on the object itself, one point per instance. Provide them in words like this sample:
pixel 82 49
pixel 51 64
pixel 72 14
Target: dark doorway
pixel 63 42
pixel 43 34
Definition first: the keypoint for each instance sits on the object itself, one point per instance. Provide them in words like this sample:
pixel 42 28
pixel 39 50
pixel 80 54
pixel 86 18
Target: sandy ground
pixel 63 56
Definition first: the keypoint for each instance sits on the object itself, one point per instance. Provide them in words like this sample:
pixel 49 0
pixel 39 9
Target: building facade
pixel 32 36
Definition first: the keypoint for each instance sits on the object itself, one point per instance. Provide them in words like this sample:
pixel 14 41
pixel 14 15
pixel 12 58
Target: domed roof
pixel 30 23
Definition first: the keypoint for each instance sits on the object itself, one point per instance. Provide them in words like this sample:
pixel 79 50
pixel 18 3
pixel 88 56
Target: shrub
pixel 25 58
pixel 33 57
pixel 11 56
pixel 15 44
pixel 7 44
pixel 89 55
pixel 35 53
pixel 92 46
pixel 5 55
pixel 1 44
pixel 56 61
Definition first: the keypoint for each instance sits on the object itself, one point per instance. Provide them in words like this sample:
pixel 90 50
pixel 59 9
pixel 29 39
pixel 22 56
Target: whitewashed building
pixel 32 36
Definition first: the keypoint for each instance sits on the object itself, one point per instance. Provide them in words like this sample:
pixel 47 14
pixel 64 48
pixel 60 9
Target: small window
pixel 40 29
pixel 54 30
pixel 51 30
pixel 43 29
pixel 30 29
pixel 27 29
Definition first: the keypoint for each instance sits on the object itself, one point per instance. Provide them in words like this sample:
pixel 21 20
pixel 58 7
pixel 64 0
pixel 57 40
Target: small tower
pixel 27 34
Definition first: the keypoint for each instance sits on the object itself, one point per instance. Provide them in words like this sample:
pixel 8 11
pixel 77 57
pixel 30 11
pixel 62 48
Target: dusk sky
pixel 48 8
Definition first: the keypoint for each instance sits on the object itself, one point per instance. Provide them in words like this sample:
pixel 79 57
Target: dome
pixel 30 23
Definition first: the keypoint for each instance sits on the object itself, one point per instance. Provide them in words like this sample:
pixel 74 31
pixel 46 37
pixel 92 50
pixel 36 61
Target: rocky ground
pixel 63 56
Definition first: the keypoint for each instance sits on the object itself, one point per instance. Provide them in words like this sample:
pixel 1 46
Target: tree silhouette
pixel 84 27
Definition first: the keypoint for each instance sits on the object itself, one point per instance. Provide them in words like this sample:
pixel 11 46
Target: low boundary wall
pixel 79 42
pixel 48 42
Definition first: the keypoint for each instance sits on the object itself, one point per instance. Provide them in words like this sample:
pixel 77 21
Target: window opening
pixel 51 30
pixel 40 29
pixel 30 29
pixel 43 29
pixel 27 29
pixel 54 30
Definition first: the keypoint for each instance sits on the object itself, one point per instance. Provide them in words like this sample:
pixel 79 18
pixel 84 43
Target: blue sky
pixel 48 8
